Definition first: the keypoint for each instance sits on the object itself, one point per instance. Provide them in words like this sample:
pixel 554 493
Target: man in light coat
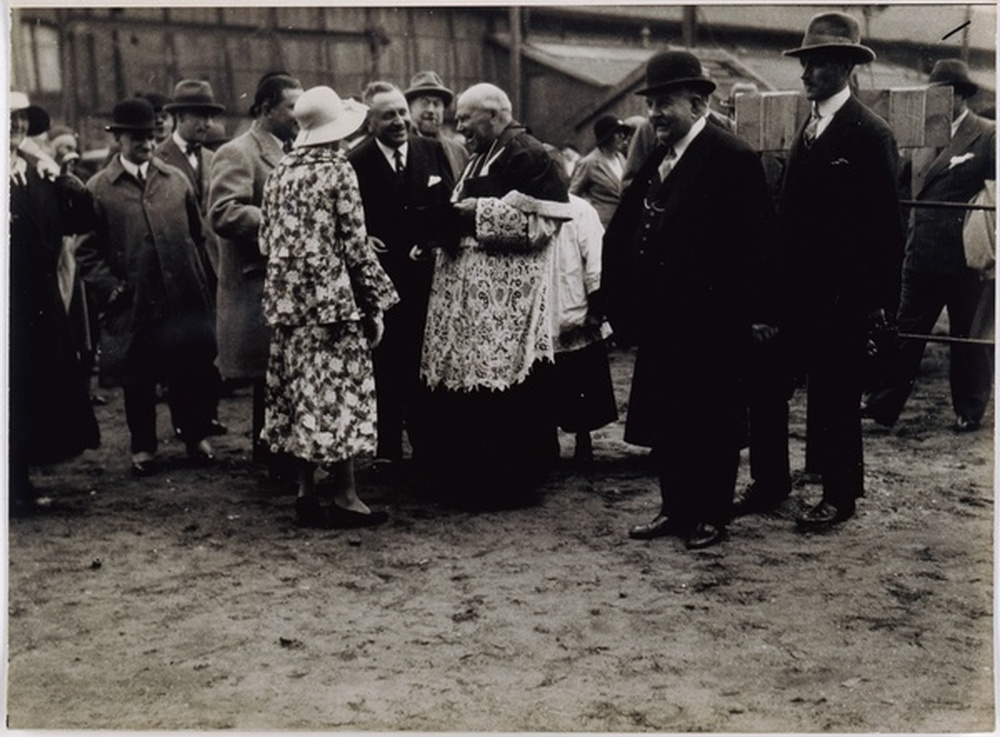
pixel 237 178
pixel 143 264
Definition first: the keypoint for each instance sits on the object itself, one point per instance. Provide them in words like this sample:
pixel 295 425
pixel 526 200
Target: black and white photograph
pixel 552 368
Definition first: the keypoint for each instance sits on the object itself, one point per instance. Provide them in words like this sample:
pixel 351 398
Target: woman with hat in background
pixel 597 177
pixel 143 266
pixel 50 418
pixel 324 295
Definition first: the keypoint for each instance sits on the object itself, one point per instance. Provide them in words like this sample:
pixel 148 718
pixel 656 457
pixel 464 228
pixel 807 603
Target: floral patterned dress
pixel 323 277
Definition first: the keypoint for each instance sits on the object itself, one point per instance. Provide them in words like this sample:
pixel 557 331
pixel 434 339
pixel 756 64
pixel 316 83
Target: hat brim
pixel 618 128
pixel 212 107
pixel 857 53
pixel 443 92
pixel 965 89
pixel 38 120
pixel 129 128
pixel 337 130
pixel 700 84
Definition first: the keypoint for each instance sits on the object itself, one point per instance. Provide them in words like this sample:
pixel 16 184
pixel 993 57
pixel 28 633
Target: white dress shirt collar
pixel 389 155
pixel 133 168
pixel 958 121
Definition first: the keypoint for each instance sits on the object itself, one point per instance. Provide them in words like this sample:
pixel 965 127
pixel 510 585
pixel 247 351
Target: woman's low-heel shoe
pixel 201 452
pixel 142 463
pixel 309 512
pixel 346 518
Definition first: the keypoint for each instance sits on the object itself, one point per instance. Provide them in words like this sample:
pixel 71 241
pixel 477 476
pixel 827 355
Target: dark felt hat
pixel 38 119
pixel 953 73
pixel 836 34
pixel 133 114
pixel 193 94
pixel 155 99
pixel 428 83
pixel 606 126
pixel 670 69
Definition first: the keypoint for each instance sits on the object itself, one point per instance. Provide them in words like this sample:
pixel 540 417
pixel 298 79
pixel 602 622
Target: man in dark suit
pixel 935 274
pixel 400 176
pixel 841 240
pixel 194 108
pixel 428 99
pixel 676 276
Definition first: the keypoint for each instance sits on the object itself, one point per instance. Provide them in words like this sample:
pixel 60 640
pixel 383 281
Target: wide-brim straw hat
pixel 671 69
pixel 428 83
pixel 324 118
pixel 953 73
pixel 38 119
pixel 834 33
pixel 133 114
pixel 194 94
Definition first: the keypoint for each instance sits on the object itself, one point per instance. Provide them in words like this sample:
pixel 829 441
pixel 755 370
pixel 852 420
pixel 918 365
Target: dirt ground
pixel 191 601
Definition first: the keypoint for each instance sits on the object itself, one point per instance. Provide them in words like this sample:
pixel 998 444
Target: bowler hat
pixel 323 117
pixel 133 114
pixel 38 119
pixel 428 83
pixel 953 73
pixel 606 126
pixel 669 69
pixel 193 94
pixel 155 99
pixel 836 33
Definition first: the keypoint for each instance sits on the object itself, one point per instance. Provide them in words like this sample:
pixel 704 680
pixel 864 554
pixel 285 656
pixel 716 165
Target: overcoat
pixel 595 180
pixel 146 242
pixel 677 279
pixel 51 418
pixel 239 170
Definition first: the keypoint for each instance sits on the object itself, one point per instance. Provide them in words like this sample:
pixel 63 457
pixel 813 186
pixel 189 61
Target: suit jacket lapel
pixel 270 151
pixel 967 132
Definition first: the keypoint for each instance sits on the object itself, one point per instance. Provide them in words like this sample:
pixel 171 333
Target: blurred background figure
pixel 570 156
pixel 324 297
pixel 598 175
pixel 50 416
pixel 164 123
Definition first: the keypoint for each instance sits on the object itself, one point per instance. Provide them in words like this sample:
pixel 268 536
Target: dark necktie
pixel 286 147
pixel 397 157
pixel 812 128
pixel 193 148
pixel 141 178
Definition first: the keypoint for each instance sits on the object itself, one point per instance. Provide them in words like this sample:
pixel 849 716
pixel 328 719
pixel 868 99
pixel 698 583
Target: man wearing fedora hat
pixel 143 262
pixel 597 177
pixel 428 99
pixel 50 416
pixel 678 267
pixel 841 243
pixel 935 274
pixel 193 109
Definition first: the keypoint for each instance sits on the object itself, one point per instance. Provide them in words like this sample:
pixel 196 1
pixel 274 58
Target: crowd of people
pixel 386 284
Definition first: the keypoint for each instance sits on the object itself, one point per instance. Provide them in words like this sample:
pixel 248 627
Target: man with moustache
pixel 428 99
pixel 236 185
pixel 402 178
pixel 841 242
pixel 680 256
pixel 143 263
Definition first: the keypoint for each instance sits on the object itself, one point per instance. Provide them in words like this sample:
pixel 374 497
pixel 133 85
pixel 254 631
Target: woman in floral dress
pixel 324 296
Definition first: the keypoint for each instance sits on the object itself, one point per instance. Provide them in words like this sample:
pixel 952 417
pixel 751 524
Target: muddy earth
pixel 190 600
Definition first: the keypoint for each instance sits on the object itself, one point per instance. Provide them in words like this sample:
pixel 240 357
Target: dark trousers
pixel 697 451
pixel 178 353
pixel 770 388
pixel 397 379
pixel 922 298
pixel 835 353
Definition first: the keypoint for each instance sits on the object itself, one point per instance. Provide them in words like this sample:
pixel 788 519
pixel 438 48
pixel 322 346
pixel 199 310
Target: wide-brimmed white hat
pixel 323 117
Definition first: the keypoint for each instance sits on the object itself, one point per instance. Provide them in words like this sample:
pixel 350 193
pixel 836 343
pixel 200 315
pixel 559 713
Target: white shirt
pixel 133 168
pixel 827 108
pixel 681 146
pixel 183 146
pixel 390 155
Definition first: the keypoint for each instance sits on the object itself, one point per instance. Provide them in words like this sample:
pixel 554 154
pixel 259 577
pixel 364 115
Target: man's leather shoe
pixel 759 499
pixel 661 526
pixel 349 519
pixel 824 514
pixel 966 424
pixel 142 463
pixel 201 451
pixel 704 535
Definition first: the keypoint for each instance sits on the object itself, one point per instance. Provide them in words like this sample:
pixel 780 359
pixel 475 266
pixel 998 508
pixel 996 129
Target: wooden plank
pixel 918 116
